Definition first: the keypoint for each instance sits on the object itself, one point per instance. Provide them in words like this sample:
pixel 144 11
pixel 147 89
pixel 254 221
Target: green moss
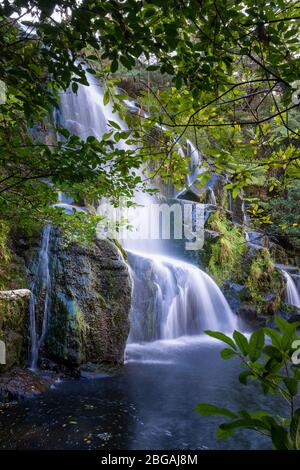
pixel 13 312
pixel 12 272
pixel 265 280
pixel 4 251
pixel 227 250
pixel 66 337
pixel 121 249
pixel 102 300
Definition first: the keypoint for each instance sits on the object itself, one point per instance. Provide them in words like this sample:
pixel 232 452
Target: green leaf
pixel 241 342
pixel 106 98
pixel 249 423
pixel 221 337
pixel 295 429
pixel 288 338
pixel 223 433
pixel 273 352
pixel 274 335
pixel 114 66
pixel 74 87
pixel 280 438
pixel 244 375
pixel 292 385
pixel 152 68
pixel 64 132
pixel 283 325
pixel 256 343
pixel 115 125
pixel 235 192
pixel 207 409
pixel 227 353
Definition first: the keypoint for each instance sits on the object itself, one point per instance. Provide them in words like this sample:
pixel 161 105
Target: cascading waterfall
pixel 213 200
pixel 41 284
pixel 84 114
pixel 292 293
pixel 171 298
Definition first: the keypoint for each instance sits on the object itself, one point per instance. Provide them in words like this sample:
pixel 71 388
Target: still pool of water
pixel 148 406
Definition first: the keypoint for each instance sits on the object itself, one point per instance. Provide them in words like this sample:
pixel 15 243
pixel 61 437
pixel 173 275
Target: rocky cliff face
pixel 89 304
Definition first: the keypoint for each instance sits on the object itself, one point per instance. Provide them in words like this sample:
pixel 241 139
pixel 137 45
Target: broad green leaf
pixel 74 87
pixel 244 375
pixel 292 385
pixel 272 351
pixel 256 343
pixel 114 124
pixel 223 433
pixel 241 342
pixel 227 353
pixel 274 335
pixel 221 337
pixel 250 423
pixel 283 325
pixel 280 438
pixel 295 429
pixel 235 192
pixel 106 98
pixel 114 66
pixel 207 409
pixel 288 338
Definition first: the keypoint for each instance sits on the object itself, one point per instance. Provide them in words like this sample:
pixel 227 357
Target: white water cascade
pixel 171 298
pixel 40 284
pixel 293 296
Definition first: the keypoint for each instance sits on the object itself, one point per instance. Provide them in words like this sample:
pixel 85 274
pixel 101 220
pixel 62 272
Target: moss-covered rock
pixel 14 306
pixel 253 285
pixel 90 304
pixel 14 302
pixel 223 251
pixel 265 284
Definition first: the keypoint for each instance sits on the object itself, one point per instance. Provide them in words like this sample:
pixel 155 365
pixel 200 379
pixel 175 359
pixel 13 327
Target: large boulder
pixel 14 307
pixel 90 304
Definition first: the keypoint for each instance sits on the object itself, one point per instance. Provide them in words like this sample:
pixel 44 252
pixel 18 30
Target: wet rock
pixel 23 383
pixel 15 294
pixel 13 343
pixel 248 313
pixel 90 304
pixel 295 318
pixel 14 307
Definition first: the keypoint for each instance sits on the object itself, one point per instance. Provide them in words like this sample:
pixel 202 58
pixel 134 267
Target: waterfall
pixel 292 293
pixel 195 161
pixel 213 200
pixel 40 285
pixel 171 298
pixel 84 114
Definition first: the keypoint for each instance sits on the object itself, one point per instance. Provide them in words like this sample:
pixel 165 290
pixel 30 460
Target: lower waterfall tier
pixel 172 298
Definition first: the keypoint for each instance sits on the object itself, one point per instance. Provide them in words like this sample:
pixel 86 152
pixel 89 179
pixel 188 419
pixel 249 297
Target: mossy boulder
pixel 224 246
pixel 90 304
pixel 265 284
pixel 233 262
pixel 14 307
